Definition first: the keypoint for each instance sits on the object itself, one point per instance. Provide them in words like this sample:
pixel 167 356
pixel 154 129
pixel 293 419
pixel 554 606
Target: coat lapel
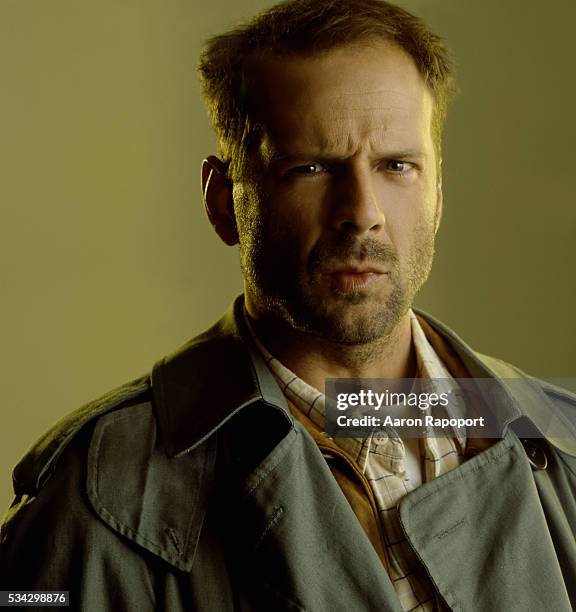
pixel 302 538
pixel 482 534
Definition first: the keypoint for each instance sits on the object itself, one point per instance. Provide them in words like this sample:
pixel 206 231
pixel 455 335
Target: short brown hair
pixel 305 27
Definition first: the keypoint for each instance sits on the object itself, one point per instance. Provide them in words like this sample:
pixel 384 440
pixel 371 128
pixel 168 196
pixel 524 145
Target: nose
pixel 357 209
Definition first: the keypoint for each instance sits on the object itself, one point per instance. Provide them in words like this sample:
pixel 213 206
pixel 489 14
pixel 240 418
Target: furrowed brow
pixel 278 156
pixel 404 154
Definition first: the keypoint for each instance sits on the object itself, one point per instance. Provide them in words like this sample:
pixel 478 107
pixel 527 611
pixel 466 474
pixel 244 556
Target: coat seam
pixel 200 510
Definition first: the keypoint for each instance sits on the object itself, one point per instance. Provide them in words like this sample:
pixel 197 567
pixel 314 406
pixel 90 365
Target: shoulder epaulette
pixel 36 466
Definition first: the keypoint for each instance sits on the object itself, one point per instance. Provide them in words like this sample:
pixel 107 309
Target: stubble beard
pixel 285 294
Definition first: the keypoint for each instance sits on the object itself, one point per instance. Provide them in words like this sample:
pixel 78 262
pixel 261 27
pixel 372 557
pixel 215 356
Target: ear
pixel 439 198
pixel 218 202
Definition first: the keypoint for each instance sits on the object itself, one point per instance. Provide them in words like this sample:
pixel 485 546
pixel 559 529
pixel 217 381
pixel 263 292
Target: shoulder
pixel 128 414
pixel 65 494
pixel 559 395
pixel 37 465
pixel 103 470
pixel 536 397
pixel 549 405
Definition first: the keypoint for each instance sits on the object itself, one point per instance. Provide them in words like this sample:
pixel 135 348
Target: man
pixel 209 485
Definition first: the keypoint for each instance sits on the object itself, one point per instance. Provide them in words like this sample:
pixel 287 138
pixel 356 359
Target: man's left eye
pixel 398 167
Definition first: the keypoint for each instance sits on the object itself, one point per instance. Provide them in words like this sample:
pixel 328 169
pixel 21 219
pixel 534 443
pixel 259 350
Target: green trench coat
pixel 194 489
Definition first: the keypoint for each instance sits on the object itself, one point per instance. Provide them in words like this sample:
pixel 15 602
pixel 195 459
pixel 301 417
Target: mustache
pixel 348 249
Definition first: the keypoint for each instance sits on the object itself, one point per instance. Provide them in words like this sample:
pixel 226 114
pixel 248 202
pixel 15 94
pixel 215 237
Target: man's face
pixel 338 213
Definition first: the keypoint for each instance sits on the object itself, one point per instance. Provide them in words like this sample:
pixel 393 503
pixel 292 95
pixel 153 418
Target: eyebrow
pixel 279 156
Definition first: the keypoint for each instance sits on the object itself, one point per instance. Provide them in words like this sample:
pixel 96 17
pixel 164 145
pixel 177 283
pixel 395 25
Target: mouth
pixel 356 270
pixel 352 278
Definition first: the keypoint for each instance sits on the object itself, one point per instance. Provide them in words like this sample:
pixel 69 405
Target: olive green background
pixel 108 261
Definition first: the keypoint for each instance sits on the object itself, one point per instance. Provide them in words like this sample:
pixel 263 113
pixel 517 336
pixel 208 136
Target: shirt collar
pixel 433 377
pixel 436 378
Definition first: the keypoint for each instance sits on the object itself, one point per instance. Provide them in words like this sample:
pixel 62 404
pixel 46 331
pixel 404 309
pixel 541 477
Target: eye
pixel 308 169
pixel 396 166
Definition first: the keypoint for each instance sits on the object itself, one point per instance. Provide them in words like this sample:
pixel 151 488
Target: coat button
pixel 535 453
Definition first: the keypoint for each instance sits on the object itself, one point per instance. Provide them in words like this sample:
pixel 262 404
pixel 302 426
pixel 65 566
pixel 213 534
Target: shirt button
pixel 535 453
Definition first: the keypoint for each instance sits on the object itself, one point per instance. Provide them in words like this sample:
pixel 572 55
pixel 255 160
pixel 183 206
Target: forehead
pixel 369 94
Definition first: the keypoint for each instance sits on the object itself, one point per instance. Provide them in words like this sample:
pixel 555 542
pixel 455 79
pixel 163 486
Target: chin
pixel 357 321
pixel 361 330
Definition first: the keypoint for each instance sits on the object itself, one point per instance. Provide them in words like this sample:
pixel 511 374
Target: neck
pixel 313 358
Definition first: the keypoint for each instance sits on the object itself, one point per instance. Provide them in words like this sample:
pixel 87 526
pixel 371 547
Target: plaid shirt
pixel 392 469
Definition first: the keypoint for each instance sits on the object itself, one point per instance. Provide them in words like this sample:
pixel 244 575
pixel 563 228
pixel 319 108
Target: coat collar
pixel 208 380
pixel 215 375
pixel 527 405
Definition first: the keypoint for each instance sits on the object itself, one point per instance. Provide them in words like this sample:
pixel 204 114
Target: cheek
pixel 409 214
pixel 294 221
pixel 247 210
